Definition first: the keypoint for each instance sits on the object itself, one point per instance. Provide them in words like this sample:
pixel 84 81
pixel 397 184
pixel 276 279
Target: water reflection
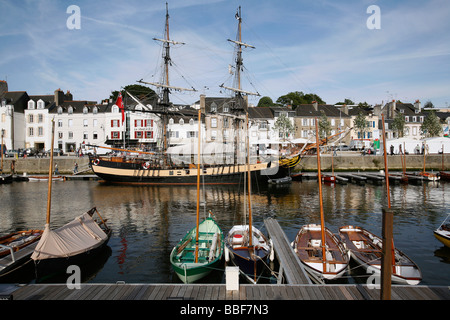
pixel 147 221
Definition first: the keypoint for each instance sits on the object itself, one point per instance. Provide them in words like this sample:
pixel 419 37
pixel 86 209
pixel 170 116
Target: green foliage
pixel 431 126
pixel 324 126
pixel 361 123
pixel 284 126
pixel 398 124
pixel 140 92
pixel 265 102
pixel 296 98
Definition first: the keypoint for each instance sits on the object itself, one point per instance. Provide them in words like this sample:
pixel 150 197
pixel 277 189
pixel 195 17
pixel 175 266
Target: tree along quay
pixel 344 161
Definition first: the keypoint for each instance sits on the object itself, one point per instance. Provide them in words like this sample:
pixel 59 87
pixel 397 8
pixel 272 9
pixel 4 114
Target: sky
pixel 335 49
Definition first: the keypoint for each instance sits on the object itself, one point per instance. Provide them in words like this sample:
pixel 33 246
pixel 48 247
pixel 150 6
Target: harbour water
pixel 148 221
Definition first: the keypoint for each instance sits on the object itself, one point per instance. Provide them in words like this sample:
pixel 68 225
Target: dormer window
pixel 95 111
pixel 85 110
pixel 40 104
pixel 402 111
pixel 170 121
pixel 60 110
pixel 70 110
pixel 181 121
pixel 31 104
pixel 213 107
pixel 226 108
pixel 191 122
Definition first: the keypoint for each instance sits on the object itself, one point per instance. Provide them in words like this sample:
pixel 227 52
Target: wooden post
pixel 386 258
pixel 50 175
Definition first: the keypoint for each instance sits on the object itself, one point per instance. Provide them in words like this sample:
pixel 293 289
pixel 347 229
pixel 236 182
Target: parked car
pixel 11 153
pixel 343 147
pixel 30 152
pixel 56 152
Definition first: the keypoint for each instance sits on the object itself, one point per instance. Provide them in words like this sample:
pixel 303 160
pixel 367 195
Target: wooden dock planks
pixel 292 267
pixel 219 292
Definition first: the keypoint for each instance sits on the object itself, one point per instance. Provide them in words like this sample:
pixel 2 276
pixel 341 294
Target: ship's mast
pixel 239 92
pixel 165 85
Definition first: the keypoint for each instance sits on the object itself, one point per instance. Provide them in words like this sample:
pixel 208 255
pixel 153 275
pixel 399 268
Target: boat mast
pixel 198 185
pixel 250 241
pixel 165 85
pixel 322 220
pixel 50 176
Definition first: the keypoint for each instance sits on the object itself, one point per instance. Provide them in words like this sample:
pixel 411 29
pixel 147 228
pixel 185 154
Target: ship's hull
pixel 118 171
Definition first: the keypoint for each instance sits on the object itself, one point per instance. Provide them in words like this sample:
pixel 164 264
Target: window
pixel 95 135
pixel 181 121
pixel 170 121
pixel 115 123
pixel 213 107
pixel 263 125
pixel 40 118
pixel 85 122
pixel 85 135
pixel 70 123
pixel 115 135
pixel 40 104
pixel 31 132
pixel 40 131
pixel 226 122
pixel 406 119
pixel 421 118
pixel 333 122
pixel 138 134
pixel 226 108
pixel 94 122
pixel 191 122
pixel 85 110
pixel 414 131
pixel 414 119
pixel 95 111
pixel 149 134
pixel 60 135
pixel 138 123
pixel 225 135
pixel 213 134
pixel 60 110
pixel 192 134
pixel 70 135
pixel 31 104
pixel 60 123
pixel 213 122
pixel 305 122
pixel 30 118
pixel 70 110
pixel 173 134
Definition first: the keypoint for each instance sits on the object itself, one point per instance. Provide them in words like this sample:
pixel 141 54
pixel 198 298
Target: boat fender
pixel 272 251
pixel 146 165
pixel 227 254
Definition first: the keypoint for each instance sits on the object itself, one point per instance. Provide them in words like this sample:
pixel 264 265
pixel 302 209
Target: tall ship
pixel 164 167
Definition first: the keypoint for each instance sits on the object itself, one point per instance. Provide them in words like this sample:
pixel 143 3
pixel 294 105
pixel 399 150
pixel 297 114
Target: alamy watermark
pixel 374 21
pixel 74 20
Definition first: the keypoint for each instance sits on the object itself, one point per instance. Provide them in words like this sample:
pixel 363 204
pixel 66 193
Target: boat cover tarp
pixel 78 236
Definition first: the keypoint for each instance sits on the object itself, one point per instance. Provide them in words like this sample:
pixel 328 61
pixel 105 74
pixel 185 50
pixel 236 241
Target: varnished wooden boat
pixel 16 249
pixel 365 248
pixel 308 246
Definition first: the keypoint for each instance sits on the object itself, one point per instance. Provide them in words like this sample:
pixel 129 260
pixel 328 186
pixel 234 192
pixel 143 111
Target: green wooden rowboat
pixel 210 251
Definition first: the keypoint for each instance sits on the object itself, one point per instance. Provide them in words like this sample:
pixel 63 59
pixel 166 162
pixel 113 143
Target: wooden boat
pixel 75 243
pixel 365 249
pixel 427 175
pixel 284 180
pixel 189 267
pixel 45 178
pixel 308 246
pixel 328 178
pixel 16 249
pixel 443 232
pixel 444 175
pixel 322 253
pixel 201 249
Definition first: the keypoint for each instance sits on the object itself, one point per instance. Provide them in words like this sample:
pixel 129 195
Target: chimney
pixel 68 96
pixel 315 105
pixel 59 97
pixel 3 87
pixel 202 103
pixel 417 105
pixel 391 111
pixel 345 109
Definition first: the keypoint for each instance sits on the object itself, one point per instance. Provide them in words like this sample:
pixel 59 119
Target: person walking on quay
pixel 75 169
pixel 56 169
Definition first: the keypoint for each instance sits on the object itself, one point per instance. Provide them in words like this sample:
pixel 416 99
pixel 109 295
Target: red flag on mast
pixel 119 103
